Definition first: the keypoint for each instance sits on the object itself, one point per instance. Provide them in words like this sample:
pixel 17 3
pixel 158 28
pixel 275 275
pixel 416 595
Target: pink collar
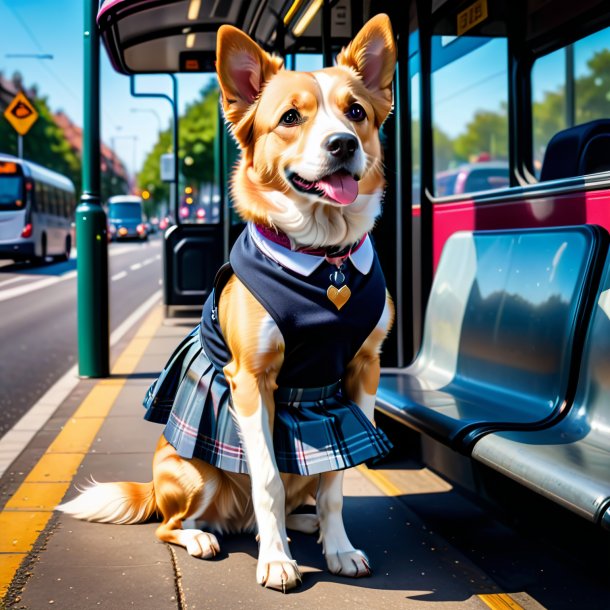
pixel 333 254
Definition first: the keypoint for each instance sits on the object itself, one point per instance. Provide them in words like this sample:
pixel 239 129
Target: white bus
pixel 36 211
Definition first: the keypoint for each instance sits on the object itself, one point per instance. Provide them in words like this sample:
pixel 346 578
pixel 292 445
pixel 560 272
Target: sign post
pixel 21 114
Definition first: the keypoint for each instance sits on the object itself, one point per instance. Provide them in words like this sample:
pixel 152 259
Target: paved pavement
pixel 52 560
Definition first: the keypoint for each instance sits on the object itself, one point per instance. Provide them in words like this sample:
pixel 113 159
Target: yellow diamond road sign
pixel 21 114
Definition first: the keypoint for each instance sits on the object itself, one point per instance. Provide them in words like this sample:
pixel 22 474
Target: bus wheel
pixel 66 254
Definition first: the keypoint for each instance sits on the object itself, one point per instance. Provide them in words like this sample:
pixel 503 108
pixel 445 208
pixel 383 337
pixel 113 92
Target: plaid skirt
pixel 315 429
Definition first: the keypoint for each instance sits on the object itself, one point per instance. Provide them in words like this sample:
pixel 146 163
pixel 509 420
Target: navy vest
pixel 320 340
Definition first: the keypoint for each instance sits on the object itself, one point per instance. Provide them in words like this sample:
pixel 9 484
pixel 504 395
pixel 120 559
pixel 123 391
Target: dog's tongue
pixel 340 186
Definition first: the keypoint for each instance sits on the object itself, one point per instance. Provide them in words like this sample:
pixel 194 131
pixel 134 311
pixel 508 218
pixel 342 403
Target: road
pixel 38 318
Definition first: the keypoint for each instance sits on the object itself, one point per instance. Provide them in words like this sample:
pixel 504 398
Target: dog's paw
pixel 200 544
pixel 279 575
pixel 303 522
pixel 354 564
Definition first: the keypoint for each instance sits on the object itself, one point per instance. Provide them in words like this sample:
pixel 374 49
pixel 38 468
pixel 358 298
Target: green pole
pixel 91 228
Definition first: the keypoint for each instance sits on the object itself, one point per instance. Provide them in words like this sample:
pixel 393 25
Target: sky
pixel 56 28
pixel 131 124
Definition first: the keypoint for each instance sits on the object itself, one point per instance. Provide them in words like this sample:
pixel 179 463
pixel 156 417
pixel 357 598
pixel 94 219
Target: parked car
pixel 472 177
pixel 125 218
pixel 165 222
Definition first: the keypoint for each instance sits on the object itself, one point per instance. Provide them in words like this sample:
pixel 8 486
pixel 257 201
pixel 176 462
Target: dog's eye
pixel 356 113
pixel 292 117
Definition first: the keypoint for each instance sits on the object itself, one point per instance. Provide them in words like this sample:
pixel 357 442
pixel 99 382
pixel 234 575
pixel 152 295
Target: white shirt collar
pixel 305 264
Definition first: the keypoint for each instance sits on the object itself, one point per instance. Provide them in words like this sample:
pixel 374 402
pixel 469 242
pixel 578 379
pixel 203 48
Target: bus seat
pixel 569 462
pixel 506 312
pixel 596 155
pixel 576 151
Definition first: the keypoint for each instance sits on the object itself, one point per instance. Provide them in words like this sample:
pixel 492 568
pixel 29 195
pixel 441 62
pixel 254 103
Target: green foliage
pixel 149 177
pixel 486 133
pixel 44 143
pixel 198 128
pixel 444 154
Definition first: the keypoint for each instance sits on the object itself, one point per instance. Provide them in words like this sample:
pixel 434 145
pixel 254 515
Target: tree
pixel 149 177
pixel 45 142
pixel 198 129
pixel 592 100
pixel 444 154
pixel 487 133
pixel 46 145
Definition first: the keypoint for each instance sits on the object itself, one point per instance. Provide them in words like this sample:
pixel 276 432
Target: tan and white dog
pixel 294 130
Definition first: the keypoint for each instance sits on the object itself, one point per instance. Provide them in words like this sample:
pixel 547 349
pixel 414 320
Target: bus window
pixel 308 62
pixel 414 93
pixel 469 109
pixel 11 187
pixel 569 87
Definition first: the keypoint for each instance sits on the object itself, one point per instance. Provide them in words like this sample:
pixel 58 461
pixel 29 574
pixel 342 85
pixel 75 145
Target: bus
pixel 126 218
pixel 36 211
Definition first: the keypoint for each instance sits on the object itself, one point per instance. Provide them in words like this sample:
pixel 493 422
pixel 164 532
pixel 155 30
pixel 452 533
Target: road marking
pixel 12 293
pixel 18 437
pixel 30 508
pixel 499 601
pixel 18 291
pixel 118 276
pixel 15 279
pixel 496 601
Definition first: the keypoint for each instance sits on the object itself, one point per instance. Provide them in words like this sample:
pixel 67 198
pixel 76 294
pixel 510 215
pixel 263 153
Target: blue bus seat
pixel 577 151
pixel 506 315
pixel 569 462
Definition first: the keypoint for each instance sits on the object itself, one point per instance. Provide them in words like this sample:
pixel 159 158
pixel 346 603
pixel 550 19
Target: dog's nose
pixel 341 145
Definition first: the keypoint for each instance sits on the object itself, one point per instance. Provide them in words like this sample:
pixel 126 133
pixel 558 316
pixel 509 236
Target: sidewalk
pixel 99 431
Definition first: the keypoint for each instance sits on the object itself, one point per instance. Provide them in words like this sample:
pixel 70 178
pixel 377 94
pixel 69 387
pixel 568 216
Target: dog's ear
pixel 242 68
pixel 372 54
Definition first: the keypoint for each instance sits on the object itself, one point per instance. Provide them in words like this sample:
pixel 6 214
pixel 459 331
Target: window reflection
pixel 570 86
pixel 469 112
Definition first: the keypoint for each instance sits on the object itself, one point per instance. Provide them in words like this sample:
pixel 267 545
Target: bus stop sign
pixel 21 114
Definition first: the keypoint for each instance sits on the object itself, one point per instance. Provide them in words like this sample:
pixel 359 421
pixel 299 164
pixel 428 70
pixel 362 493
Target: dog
pixel 310 185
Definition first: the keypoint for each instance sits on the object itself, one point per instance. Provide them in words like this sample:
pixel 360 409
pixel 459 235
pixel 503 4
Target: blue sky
pixel 55 27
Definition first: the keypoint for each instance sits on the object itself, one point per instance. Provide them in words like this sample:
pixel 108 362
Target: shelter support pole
pixel 91 226
pixel 173 101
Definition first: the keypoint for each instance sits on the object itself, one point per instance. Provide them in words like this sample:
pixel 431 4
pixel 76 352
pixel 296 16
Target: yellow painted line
pixel 496 601
pixel 19 530
pixel 500 601
pixel 28 511
pixel 9 564
pixel 37 496
pixel 55 467
pixel 380 481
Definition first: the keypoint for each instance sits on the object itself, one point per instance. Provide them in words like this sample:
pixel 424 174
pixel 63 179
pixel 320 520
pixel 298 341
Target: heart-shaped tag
pixel 339 297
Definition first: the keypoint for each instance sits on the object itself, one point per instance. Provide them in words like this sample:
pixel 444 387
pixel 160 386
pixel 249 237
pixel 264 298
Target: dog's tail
pixel 123 503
